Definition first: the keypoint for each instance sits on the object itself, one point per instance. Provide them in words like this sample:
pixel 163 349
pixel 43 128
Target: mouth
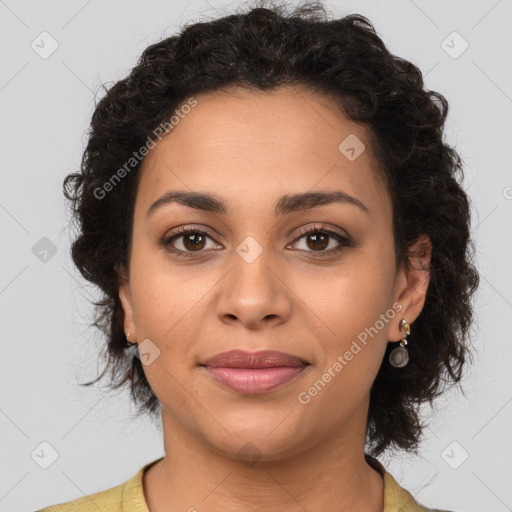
pixel 254 373
pixel 261 359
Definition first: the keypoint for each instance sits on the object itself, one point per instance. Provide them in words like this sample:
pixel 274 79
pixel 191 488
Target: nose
pixel 254 294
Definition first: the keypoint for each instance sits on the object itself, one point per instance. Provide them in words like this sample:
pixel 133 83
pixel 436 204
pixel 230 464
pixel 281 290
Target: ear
pixel 125 297
pixel 412 284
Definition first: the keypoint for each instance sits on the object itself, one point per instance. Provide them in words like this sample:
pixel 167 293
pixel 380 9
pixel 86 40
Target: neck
pixel 332 475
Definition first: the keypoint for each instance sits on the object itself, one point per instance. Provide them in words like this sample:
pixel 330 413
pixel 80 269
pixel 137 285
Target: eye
pixel 192 240
pixel 319 238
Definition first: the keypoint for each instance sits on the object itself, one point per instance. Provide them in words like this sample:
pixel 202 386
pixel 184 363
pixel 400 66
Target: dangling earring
pixel 399 356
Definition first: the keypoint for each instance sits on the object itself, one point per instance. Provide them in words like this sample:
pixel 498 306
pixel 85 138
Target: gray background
pixel 47 346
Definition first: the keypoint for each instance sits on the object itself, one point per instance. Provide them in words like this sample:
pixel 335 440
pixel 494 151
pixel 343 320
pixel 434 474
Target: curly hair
pixel 262 47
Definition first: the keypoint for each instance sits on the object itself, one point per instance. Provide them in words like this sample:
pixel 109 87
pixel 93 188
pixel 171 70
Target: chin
pixel 254 442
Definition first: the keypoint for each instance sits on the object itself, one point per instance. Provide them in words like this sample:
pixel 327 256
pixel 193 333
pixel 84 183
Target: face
pixel 314 279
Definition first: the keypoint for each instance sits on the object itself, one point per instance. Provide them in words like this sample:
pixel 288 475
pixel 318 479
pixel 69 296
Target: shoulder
pixel 110 500
pixel 399 499
pixel 396 498
pixel 127 496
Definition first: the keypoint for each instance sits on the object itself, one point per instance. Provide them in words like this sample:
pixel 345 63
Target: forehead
pixel 250 146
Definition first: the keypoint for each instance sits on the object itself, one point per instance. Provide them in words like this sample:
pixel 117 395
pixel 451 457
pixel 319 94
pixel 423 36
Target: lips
pixel 254 373
pixel 261 359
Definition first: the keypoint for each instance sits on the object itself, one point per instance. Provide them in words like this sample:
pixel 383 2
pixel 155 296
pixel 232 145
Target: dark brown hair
pixel 264 47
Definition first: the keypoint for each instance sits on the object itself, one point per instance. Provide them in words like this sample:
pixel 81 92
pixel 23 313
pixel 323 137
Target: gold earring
pixel 399 356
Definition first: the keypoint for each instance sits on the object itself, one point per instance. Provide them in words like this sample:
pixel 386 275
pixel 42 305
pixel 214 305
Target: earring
pixel 399 356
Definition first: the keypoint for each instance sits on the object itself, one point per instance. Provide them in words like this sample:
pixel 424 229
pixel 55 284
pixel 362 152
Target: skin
pixel 250 149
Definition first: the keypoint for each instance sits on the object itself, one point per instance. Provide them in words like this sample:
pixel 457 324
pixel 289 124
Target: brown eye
pixel 317 240
pixel 193 241
pixel 188 241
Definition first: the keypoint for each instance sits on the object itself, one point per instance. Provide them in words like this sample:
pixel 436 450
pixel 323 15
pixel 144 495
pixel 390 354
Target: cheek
pixel 359 312
pixel 167 300
pixel 358 316
pixel 160 291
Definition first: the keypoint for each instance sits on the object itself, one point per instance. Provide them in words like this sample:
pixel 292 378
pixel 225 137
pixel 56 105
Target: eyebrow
pixel 286 204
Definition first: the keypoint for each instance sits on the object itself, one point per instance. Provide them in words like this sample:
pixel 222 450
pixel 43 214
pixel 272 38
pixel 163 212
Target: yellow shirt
pixel 129 496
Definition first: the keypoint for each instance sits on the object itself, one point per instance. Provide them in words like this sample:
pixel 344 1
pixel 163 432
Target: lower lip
pixel 253 381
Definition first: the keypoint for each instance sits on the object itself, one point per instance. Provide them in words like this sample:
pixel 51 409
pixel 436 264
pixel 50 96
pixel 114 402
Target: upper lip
pixel 261 359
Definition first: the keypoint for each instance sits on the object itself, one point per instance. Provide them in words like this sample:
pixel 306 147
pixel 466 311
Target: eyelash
pixel 343 240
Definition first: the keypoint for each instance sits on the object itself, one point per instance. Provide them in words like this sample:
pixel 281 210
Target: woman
pixel 280 233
